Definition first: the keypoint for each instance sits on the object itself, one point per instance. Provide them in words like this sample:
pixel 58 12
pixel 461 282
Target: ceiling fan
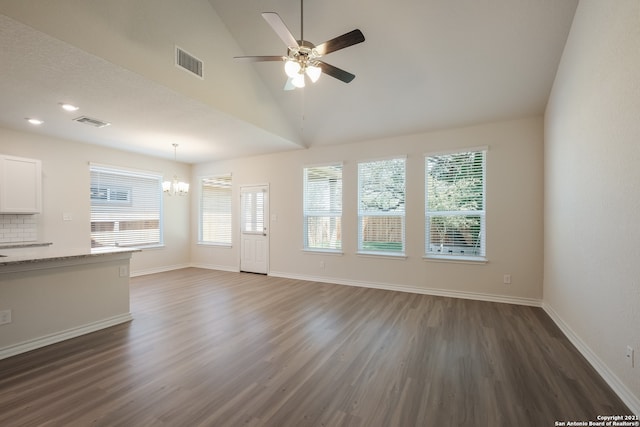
pixel 303 57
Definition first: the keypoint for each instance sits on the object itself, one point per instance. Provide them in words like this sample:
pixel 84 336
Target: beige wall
pixel 592 198
pixel 65 170
pixel 514 214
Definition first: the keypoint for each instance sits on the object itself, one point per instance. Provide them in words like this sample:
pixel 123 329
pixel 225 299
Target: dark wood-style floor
pixel 210 348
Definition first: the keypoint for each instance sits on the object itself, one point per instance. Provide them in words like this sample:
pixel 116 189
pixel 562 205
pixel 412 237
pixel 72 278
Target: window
pixel 455 204
pixel 110 194
pixel 323 208
pixel 252 211
pixel 215 210
pixel 126 207
pixel 381 206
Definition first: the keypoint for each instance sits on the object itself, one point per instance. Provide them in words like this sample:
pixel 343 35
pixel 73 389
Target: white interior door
pixel 254 229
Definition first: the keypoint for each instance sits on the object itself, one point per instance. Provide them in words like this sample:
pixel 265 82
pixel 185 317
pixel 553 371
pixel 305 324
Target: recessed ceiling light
pixel 68 107
pixel 34 121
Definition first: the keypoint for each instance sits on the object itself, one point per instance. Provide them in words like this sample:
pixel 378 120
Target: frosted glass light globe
pixel 291 68
pixel 314 73
pixel 298 80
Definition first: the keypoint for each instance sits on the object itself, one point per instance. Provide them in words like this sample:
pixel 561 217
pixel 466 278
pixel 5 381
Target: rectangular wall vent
pixel 188 62
pixel 91 122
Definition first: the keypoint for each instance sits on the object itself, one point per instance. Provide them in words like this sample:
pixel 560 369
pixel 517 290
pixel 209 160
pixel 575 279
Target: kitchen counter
pixel 50 294
pixel 37 254
pixel 23 245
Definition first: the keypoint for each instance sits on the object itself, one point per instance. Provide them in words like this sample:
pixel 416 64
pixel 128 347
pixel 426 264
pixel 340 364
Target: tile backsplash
pixel 18 228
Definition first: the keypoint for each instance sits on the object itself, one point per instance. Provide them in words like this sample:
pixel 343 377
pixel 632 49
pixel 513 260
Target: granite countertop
pixel 23 245
pixel 39 253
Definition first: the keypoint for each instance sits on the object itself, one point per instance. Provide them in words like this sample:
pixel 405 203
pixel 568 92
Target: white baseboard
pixel 415 290
pixel 158 270
pixel 46 340
pixel 181 266
pixel 216 267
pixel 632 401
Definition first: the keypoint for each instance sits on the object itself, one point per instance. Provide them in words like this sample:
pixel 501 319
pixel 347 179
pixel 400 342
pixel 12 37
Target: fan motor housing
pixel 304 52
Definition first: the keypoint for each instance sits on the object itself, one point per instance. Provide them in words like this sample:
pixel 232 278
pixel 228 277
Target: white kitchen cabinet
pixel 20 185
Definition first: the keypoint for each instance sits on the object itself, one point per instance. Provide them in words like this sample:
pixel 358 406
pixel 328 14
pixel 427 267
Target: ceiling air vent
pixel 92 122
pixel 188 62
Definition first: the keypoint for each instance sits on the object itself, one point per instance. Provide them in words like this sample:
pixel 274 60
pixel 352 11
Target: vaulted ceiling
pixel 425 64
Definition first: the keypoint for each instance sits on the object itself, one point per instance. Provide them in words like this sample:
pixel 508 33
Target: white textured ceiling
pixel 425 64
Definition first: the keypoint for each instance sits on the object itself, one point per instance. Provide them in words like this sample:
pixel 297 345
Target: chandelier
pixel 175 187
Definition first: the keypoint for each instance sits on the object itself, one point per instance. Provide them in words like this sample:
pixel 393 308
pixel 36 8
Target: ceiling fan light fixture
pixel 298 81
pixel 303 56
pixel 313 72
pixel 292 68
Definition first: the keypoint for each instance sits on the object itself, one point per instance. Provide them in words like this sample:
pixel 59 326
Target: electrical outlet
pixel 630 355
pixel 124 271
pixel 5 317
pixel 506 279
pixel 321 264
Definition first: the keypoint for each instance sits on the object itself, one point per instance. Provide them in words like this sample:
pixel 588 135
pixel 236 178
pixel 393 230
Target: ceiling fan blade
pixel 259 58
pixel 340 42
pixel 278 25
pixel 336 72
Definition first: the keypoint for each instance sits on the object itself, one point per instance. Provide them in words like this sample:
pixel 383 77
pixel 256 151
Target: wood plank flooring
pixel 211 348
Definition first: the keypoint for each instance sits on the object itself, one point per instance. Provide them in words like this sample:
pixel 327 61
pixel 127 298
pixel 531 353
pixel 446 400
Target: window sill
pixel 322 252
pixel 145 248
pixel 219 245
pixel 388 255
pixel 456 259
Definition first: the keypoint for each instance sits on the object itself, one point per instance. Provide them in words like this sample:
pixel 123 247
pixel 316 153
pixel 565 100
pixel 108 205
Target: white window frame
pixel 332 212
pixel 456 253
pixel 362 213
pixel 201 214
pixel 117 213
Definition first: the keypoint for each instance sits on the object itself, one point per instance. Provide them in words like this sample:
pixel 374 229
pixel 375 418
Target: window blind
pixel 381 206
pixel 323 207
pixel 215 210
pixel 126 207
pixel 455 204
pixel 252 212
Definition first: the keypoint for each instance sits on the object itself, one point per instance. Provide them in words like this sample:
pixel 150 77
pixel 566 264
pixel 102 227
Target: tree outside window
pixel 455 204
pixel 381 206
